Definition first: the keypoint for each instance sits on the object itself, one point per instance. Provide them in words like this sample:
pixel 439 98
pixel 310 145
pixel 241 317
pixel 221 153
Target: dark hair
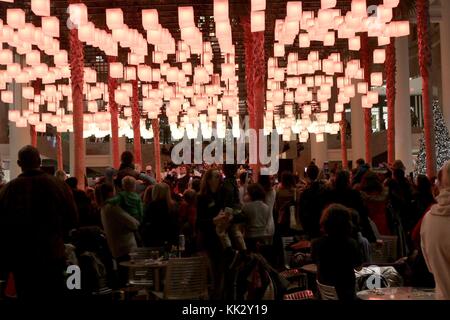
pixel 242 177
pixel 360 162
pixel 398 174
pixel 342 180
pixel 101 193
pixel 127 158
pixel 189 196
pixel 312 171
pixel 29 158
pixel 336 221
pixel 371 183
pixel 287 180
pixel 229 170
pixel 264 181
pixel 204 185
pixel 256 192
pixel 424 184
pixel 72 182
pixel 196 184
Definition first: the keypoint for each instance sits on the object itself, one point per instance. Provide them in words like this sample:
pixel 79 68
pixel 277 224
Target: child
pixel 128 199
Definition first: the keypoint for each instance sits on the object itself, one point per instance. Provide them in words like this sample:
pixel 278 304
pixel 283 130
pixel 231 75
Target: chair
pixel 386 252
pixel 327 292
pixel 186 279
pixel 299 295
pixel 143 277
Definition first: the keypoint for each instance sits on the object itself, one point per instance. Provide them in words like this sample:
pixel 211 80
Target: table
pixel 155 265
pixel 398 293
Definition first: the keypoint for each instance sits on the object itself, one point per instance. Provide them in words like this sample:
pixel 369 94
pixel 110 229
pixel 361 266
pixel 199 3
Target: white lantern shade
pixel 50 26
pixel 365 102
pixel 338 107
pixel 78 14
pixel 354 43
pixel 220 10
pixel 258 21
pixel 337 117
pixel 383 41
pixel 320 137
pixel 40 7
pixel 28 93
pixel 384 14
pixel 257 5
pixel 359 8
pixel 391 3
pixel 150 19
pixel 114 18
pixel 145 73
pixel 372 97
pixel 278 49
pixel 379 56
pixel 329 39
pixel 61 58
pixel 186 17
pixel 376 79
pixel 294 10
pixel 363 87
pixel 130 73
pixel 15 18
pixel 7 96
pixel 116 70
pixel 6 56
pixel 327 4
pixel 13 69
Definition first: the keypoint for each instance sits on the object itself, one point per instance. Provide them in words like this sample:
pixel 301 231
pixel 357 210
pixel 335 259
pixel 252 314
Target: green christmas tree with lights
pixel 442 143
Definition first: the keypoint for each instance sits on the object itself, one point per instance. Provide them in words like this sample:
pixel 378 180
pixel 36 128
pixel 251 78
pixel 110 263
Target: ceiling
pixel 168 18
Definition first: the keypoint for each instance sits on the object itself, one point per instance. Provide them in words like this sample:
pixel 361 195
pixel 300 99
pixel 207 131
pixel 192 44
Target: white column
pixel 445 59
pixel 18 137
pixel 357 127
pixel 403 130
pixel 319 150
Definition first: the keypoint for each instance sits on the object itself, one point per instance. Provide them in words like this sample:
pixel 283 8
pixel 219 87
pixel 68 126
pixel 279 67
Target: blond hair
pixel 129 184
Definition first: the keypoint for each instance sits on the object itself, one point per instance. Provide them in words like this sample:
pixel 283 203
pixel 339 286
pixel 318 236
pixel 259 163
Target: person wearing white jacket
pixel 435 237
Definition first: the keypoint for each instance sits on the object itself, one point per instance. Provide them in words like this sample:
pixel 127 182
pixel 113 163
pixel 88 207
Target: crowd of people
pixel 223 212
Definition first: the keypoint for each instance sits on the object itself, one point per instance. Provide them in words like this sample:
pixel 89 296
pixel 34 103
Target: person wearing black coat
pixel 37 211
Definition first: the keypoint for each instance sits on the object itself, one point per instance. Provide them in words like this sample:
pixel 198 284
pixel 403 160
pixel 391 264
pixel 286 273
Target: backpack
pixel 94 277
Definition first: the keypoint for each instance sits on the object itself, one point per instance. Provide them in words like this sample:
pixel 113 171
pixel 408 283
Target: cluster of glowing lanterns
pixel 307 83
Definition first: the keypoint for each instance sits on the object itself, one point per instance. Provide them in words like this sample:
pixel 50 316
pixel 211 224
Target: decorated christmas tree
pixel 442 143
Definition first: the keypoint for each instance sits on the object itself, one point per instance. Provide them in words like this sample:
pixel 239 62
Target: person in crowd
pixel 265 182
pixel 37 211
pixel 342 193
pixel 258 220
pixel 83 203
pixel 187 217
pixel 361 168
pixel 435 238
pixel 312 201
pixel 230 188
pixel 285 198
pixel 182 179
pixel 422 198
pixel 159 225
pixel 363 242
pixel 128 199
pixel 127 168
pixel 149 171
pixel 375 198
pixel 61 175
pixel 210 203
pixel 336 253
pixel 243 183
pixel 195 184
pixel 400 195
pixel 119 227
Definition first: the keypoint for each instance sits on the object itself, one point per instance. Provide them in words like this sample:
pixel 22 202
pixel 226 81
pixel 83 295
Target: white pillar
pixel 403 130
pixel 18 137
pixel 319 150
pixel 445 59
pixel 357 127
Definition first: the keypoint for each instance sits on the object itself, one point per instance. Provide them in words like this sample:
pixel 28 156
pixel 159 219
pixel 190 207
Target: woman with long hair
pixel 159 223
pixel 209 205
